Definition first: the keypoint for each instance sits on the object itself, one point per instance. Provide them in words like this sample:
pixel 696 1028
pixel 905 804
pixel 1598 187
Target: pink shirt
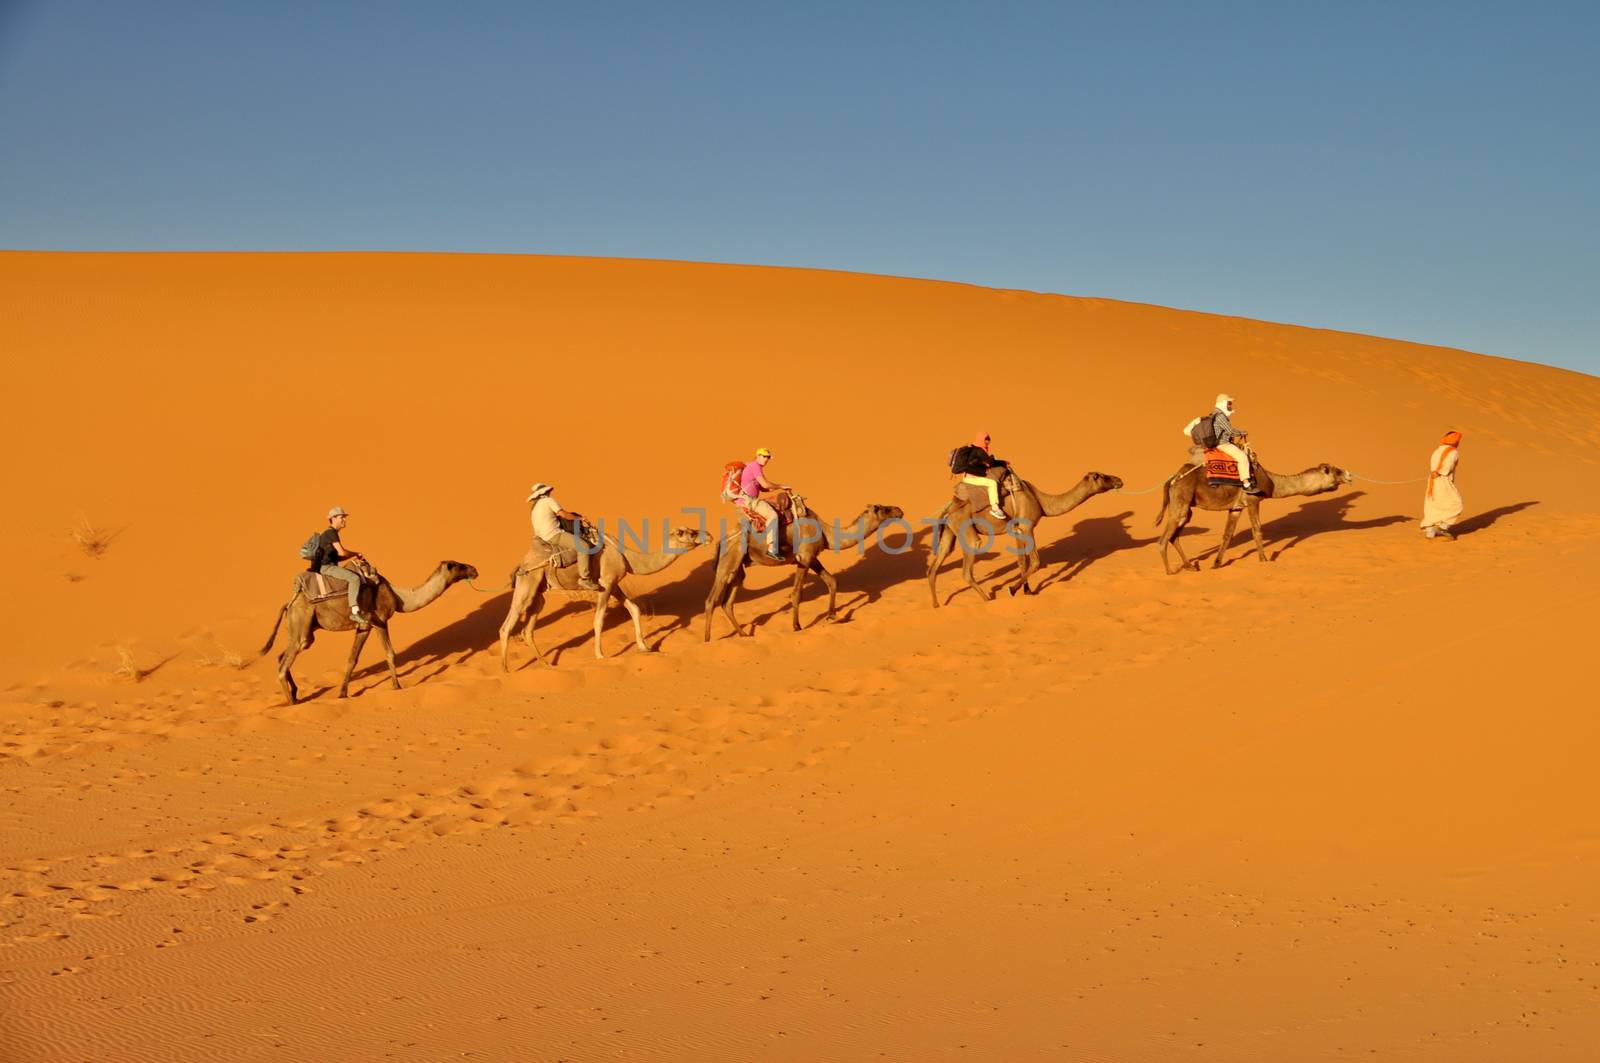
pixel 750 480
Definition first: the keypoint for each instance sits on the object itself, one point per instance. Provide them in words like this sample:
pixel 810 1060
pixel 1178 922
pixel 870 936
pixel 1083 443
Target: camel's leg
pixel 801 571
pixel 291 649
pixel 1027 561
pixel 734 583
pixel 1254 509
pixel 714 599
pixel 601 603
pixel 1169 537
pixel 1228 528
pixel 355 655
pixel 520 594
pixel 829 581
pixel 388 654
pixel 941 548
pixel 638 626
pixel 969 560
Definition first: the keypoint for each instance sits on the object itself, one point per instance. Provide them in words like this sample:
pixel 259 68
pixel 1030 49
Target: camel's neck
pixel 413 598
pixel 843 537
pixel 1055 505
pixel 1285 485
pixel 645 563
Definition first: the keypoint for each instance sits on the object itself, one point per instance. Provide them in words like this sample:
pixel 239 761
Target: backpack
pixel 312 548
pixel 1204 432
pixel 731 474
pixel 962 456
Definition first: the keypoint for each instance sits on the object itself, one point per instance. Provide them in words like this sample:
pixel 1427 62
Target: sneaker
pixel 588 585
pixel 997 513
pixel 1252 489
pixel 359 617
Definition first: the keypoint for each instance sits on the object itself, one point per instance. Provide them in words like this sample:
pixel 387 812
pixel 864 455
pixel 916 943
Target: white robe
pixel 1441 505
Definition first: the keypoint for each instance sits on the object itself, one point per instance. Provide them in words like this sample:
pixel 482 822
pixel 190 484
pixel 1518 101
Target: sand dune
pixel 1335 804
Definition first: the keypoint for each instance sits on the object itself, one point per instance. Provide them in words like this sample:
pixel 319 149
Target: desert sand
pixel 1340 805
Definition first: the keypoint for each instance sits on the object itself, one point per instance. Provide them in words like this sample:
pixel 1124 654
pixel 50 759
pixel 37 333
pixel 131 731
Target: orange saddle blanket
pixel 1221 470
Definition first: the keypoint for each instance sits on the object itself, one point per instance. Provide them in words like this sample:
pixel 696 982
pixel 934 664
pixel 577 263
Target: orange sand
pixel 1061 827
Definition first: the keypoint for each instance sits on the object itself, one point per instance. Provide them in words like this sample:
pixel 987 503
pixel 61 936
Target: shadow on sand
pixel 1479 521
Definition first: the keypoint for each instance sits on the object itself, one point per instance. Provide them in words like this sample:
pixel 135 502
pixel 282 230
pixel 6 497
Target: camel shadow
pixel 1479 521
pixel 1091 540
pixel 1309 519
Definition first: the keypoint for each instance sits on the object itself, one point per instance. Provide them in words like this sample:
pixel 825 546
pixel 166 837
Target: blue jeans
pixel 352 581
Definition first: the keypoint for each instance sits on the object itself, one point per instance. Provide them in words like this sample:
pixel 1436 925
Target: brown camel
pixel 333 614
pixel 1025 508
pixel 802 541
pixel 1186 490
pixel 534 575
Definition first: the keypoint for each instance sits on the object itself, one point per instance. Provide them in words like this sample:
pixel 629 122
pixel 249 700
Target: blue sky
pixel 1419 170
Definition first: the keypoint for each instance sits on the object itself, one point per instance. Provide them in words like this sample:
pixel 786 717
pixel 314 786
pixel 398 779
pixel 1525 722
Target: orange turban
pixel 982 440
pixel 1451 439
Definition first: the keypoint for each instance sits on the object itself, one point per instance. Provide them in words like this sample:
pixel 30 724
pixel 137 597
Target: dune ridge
pixel 1336 803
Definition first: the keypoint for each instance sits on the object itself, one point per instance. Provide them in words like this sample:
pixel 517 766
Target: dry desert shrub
pixel 127 668
pixel 91 540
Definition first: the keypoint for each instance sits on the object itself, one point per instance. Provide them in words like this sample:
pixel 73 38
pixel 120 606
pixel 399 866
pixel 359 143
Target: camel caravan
pixel 575 560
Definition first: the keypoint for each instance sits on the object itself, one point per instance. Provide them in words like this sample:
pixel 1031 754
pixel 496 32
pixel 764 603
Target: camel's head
pixel 878 514
pixel 1332 477
pixel 1101 482
pixel 682 540
pixel 455 571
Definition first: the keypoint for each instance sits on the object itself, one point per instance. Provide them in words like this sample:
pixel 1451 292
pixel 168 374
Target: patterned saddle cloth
pixel 1221 470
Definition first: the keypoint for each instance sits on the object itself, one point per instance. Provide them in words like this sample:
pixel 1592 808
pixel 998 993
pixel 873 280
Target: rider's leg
pixel 352 587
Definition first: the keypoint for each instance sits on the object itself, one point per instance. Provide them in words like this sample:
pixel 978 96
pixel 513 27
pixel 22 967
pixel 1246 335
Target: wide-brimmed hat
pixel 539 491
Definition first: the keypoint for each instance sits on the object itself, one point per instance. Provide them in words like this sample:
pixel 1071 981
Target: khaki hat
pixel 538 491
pixel 337 511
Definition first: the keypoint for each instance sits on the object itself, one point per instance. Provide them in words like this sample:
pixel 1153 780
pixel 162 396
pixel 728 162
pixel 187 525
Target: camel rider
pixel 973 462
pixel 1231 441
pixel 547 516
pixel 330 551
pixel 751 483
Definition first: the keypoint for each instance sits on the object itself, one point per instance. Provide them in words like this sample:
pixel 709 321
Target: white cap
pixel 538 491
pixel 1223 400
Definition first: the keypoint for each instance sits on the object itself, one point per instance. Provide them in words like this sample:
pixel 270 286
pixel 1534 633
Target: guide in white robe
pixel 1441 506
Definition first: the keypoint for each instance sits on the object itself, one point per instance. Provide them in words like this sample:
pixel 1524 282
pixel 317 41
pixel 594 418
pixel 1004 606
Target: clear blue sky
pixel 1420 170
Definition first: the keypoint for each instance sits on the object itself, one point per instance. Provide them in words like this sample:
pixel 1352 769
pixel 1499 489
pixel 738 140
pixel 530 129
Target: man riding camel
pixel 752 481
pixel 330 551
pixel 1231 441
pixel 547 516
pixel 973 462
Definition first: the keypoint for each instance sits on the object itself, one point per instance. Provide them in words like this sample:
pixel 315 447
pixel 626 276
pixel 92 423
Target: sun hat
pixel 539 491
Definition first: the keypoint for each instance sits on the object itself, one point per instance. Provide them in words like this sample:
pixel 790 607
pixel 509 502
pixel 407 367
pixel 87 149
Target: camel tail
pixel 276 624
pixel 1166 500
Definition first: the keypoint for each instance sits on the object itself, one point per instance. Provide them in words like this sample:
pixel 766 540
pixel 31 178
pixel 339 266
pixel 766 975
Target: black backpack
pixel 1204 432
pixel 964 456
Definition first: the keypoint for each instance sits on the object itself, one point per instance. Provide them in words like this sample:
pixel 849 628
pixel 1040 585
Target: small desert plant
pixel 221 657
pixel 127 668
pixel 90 539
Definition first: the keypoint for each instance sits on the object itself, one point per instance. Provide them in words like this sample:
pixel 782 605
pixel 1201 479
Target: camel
pixel 534 575
pixel 803 540
pixel 1187 490
pixel 333 614
pixel 1025 508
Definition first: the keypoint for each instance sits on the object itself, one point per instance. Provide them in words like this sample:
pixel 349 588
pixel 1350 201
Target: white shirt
pixel 545 524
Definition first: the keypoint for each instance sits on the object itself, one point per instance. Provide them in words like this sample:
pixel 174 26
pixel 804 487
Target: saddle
pixel 978 497
pixel 319 588
pixel 790 507
pixel 1221 470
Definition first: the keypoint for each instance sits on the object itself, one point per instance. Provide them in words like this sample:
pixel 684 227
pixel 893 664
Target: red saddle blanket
pixel 1221 470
